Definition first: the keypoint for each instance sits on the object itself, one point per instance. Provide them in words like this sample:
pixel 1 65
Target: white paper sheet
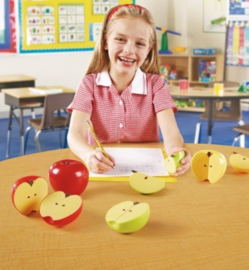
pixel 145 160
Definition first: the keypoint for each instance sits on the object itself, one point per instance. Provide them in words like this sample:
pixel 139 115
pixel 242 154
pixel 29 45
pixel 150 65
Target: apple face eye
pixel 35 194
pixel 123 209
pixel 130 210
pixel 244 158
pixel 56 203
pixel 146 177
pixel 63 205
pixel 205 165
pixel 211 166
pixel 28 197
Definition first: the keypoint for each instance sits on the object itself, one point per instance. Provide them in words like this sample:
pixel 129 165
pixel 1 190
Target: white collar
pixel 139 83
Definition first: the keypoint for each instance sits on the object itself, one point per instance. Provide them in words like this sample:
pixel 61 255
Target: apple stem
pixel 67 195
pixel 31 182
pixel 136 203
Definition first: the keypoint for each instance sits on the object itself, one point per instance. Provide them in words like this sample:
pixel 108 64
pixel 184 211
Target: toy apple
pixel 28 192
pixel 60 209
pixel 208 165
pixel 174 161
pixel 146 184
pixel 239 162
pixel 128 216
pixel 68 175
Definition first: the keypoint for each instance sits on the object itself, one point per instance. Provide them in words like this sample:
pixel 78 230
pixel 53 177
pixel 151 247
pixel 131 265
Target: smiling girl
pixel 123 94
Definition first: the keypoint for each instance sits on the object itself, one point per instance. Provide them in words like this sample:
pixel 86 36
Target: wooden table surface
pixel 15 77
pixel 193 225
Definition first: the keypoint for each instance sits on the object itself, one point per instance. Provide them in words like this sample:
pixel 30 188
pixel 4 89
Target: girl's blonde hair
pixel 100 59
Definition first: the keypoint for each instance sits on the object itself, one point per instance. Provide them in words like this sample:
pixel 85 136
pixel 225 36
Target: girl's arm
pixel 94 159
pixel 173 141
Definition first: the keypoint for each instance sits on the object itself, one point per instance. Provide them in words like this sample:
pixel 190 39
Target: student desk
pixel 16 80
pixel 14 98
pixel 208 95
pixel 193 225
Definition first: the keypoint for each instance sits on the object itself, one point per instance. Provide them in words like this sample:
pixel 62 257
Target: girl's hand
pixel 186 161
pixel 97 162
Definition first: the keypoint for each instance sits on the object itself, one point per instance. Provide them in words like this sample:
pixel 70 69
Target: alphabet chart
pixel 62 25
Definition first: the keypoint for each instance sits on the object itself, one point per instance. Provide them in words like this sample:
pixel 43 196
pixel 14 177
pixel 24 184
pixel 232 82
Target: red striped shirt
pixel 129 117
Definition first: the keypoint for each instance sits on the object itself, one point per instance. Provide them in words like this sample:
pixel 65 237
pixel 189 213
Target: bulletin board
pixel 62 25
pixel 7 26
pixel 237 39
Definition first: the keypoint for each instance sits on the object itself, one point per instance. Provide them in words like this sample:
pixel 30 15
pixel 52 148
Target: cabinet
pixel 187 66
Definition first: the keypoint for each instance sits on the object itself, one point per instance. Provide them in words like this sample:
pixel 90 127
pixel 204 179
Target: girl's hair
pixel 100 59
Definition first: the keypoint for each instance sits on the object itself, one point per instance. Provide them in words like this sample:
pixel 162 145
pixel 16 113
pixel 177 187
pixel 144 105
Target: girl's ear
pixel 106 46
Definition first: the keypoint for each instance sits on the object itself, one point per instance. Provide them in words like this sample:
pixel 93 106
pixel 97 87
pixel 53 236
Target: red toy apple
pixel 68 175
pixel 60 209
pixel 28 192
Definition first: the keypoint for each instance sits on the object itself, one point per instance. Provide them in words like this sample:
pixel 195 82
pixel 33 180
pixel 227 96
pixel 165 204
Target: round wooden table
pixel 193 225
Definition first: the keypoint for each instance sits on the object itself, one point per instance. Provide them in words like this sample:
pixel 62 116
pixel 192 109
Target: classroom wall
pixel 184 16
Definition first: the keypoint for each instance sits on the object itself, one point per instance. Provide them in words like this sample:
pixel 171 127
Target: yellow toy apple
pixel 60 209
pixel 28 192
pixel 208 165
pixel 145 184
pixel 128 216
pixel 174 161
pixel 239 162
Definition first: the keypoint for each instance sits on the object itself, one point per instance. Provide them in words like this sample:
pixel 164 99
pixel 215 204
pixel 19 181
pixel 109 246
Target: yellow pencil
pixel 97 140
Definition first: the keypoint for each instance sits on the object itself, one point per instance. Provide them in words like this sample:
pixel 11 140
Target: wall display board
pixel 7 26
pixel 237 43
pixel 62 25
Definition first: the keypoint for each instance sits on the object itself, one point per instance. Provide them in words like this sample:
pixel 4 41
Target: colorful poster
pixel 237 49
pixel 214 17
pixel 62 25
pixel 7 26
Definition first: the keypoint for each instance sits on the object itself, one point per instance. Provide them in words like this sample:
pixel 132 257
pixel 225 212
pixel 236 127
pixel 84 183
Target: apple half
pixel 174 161
pixel 239 162
pixel 145 184
pixel 60 209
pixel 28 192
pixel 128 216
pixel 209 165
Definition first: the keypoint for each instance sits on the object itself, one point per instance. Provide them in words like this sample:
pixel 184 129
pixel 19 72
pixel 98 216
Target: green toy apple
pixel 128 216
pixel 174 161
pixel 146 184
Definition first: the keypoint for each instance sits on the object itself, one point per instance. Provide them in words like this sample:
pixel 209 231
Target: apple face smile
pixel 128 216
pixel 59 209
pixel 68 175
pixel 28 192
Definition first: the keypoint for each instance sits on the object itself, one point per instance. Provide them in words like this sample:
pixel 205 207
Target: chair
pixel 243 130
pixel 51 119
pixel 29 105
pixel 233 114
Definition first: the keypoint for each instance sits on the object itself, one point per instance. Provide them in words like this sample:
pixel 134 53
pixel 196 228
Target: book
pixel 45 90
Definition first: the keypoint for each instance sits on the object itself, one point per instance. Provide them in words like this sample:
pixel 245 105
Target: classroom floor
pixel 222 134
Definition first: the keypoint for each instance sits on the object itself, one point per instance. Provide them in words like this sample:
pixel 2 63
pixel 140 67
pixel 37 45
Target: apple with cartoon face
pixel 28 192
pixel 60 209
pixel 68 175
pixel 146 184
pixel 208 165
pixel 174 161
pixel 128 216
pixel 239 162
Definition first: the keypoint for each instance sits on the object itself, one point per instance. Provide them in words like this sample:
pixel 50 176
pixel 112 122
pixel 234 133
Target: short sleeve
pixel 161 95
pixel 83 97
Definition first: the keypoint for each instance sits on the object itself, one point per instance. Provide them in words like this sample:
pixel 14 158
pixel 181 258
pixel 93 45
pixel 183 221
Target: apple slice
pixel 208 165
pixel 128 216
pixel 60 209
pixel 173 162
pixel 146 184
pixel 28 192
pixel 239 162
